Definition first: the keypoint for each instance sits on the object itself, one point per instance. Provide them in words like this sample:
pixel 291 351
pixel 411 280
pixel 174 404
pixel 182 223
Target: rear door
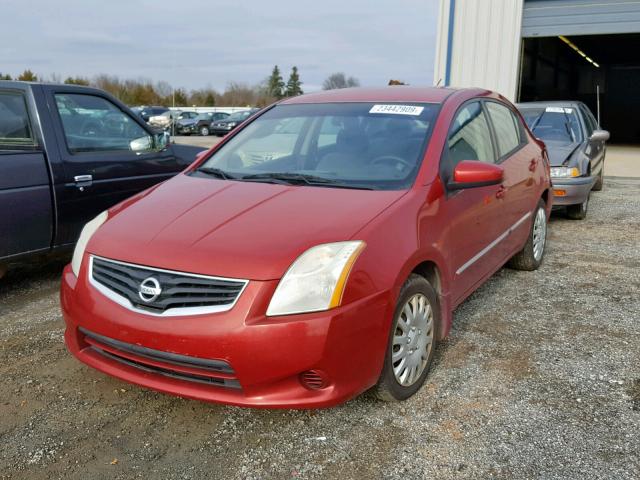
pixel 107 152
pixel 26 212
pixel 476 216
pixel 520 165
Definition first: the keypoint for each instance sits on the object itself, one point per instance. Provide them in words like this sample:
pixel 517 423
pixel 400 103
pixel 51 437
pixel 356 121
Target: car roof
pixel 384 94
pixel 553 103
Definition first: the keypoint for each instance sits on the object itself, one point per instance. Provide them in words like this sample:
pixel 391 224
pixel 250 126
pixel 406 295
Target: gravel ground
pixel 540 378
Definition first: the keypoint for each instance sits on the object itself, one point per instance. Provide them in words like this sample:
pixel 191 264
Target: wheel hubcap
pixel 539 234
pixel 412 340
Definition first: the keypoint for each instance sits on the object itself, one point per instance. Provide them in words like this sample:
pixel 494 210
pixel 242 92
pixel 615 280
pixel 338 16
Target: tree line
pixel 145 92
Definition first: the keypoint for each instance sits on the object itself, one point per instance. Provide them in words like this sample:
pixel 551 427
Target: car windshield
pixel 558 124
pixel 348 145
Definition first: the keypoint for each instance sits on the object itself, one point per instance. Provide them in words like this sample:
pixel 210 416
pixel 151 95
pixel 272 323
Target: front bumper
pixel 571 191
pixel 266 357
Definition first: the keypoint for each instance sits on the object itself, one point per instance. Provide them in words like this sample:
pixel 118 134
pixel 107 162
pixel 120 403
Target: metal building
pixel 545 50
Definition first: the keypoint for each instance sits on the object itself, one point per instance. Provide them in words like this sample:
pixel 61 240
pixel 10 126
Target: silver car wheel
pixel 412 340
pixel 204 131
pixel 539 234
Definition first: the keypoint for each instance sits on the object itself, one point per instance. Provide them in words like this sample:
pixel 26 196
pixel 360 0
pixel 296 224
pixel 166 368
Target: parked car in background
pixel 68 152
pixel 222 127
pixel 306 278
pixel 576 146
pixel 203 123
pixel 165 120
pixel 146 112
pixel 199 124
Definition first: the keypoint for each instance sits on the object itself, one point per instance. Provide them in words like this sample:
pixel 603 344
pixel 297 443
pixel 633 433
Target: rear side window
pixel 94 124
pixel 506 127
pixel 470 136
pixel 15 128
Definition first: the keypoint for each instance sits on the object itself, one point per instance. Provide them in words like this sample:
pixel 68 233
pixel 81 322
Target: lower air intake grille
pixel 182 367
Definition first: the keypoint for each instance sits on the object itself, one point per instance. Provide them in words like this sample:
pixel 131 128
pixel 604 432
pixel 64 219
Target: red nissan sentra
pixel 317 252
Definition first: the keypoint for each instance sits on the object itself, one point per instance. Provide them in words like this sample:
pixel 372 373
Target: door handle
pixel 83 181
pixel 533 164
pixel 500 193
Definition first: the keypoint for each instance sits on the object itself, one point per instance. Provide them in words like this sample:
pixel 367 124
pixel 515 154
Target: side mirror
pixel 599 136
pixel 473 173
pixel 142 144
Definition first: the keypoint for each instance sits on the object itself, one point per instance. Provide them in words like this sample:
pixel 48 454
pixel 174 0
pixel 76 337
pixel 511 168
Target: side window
pixel 15 129
pixel 589 122
pixel 94 124
pixel 470 137
pixel 507 130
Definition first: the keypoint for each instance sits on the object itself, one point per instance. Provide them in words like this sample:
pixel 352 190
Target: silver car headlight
pixel 87 232
pixel 316 280
pixel 564 172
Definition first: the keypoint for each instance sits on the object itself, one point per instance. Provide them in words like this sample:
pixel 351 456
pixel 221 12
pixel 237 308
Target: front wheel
pixel 204 131
pixel 412 341
pixel 530 257
pixel 579 211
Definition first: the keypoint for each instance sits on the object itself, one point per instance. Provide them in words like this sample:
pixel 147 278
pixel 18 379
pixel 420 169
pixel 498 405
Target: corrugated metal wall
pixel 546 18
pixel 486 44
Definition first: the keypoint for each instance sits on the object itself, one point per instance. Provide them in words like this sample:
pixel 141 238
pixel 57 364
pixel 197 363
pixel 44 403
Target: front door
pixel 107 153
pixel 476 217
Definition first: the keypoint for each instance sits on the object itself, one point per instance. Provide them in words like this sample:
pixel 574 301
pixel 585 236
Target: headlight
pixel 87 232
pixel 564 172
pixel 316 280
pixel 232 124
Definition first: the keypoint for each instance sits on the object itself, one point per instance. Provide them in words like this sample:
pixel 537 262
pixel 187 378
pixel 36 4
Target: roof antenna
pixel 439 82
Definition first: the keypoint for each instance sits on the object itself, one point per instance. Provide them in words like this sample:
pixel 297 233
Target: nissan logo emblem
pixel 149 289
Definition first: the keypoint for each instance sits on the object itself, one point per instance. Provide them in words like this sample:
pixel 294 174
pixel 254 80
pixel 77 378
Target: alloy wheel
pixel 539 234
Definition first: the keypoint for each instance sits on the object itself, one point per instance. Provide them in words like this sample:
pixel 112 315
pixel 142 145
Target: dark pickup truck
pixel 66 154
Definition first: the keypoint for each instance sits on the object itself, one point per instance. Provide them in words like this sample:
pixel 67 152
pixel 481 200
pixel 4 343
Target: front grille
pixel 182 367
pixel 179 293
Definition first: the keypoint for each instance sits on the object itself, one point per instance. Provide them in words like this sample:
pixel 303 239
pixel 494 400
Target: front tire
pixel 412 341
pixel 579 211
pixel 600 181
pixel 204 131
pixel 531 255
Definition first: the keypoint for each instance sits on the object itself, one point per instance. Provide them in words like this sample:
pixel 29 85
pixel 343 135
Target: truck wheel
pixel 530 257
pixel 412 341
pixel 204 131
pixel 579 211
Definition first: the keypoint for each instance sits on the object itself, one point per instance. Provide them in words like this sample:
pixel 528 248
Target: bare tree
pixel 339 80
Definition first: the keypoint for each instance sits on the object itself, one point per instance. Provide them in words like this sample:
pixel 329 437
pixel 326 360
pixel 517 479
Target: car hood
pixel 233 229
pixel 560 152
pixel 186 121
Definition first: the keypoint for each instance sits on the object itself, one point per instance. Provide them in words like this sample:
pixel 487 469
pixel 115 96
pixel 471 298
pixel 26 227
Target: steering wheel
pixel 392 159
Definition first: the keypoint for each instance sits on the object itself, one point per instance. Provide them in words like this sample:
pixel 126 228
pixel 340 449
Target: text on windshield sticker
pixel 397 109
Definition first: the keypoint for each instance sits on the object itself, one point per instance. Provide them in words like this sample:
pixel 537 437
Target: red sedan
pixel 317 252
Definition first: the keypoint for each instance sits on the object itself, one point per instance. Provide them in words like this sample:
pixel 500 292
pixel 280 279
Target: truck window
pixel 94 124
pixel 15 129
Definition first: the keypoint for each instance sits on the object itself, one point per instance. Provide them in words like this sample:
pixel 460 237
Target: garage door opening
pixel 573 67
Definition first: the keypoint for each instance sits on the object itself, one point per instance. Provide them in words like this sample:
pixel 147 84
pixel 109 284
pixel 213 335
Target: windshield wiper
pixel 301 179
pixel 216 172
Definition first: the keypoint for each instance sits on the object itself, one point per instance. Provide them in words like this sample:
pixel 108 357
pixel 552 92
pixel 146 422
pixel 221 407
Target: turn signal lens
pixel 559 193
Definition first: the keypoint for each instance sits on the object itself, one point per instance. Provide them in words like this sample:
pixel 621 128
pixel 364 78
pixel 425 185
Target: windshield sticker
pixel 559 110
pixel 397 109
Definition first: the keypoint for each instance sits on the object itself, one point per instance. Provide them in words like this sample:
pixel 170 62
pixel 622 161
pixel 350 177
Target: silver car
pixel 576 145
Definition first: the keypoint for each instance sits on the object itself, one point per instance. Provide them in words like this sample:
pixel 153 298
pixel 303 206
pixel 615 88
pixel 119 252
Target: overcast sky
pixel 199 43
